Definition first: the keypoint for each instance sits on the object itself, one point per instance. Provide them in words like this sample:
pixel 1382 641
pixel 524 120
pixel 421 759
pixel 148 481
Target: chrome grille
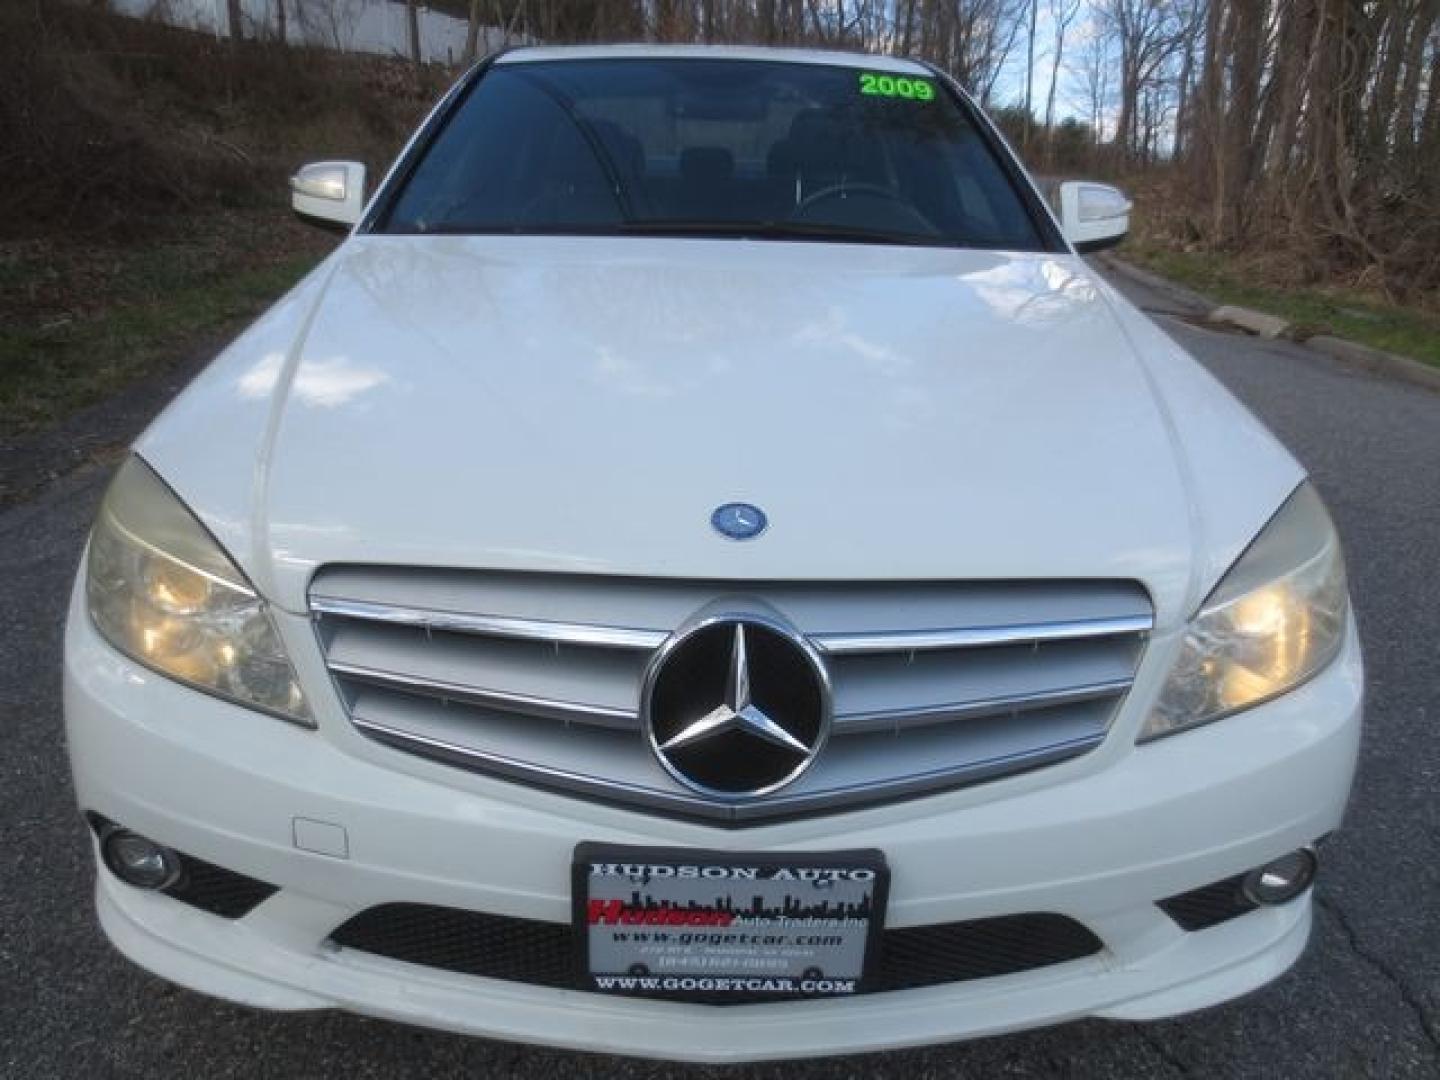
pixel 537 678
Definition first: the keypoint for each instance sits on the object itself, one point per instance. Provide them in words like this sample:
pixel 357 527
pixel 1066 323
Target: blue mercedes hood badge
pixel 739 521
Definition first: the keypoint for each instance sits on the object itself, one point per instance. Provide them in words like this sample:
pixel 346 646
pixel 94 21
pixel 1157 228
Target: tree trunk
pixel 765 14
pixel 1390 51
pixel 1182 96
pixel 1029 75
pixel 1287 85
pixel 412 26
pixel 1061 16
pixel 1209 169
pixel 1407 106
pixel 907 27
pixel 235 16
pixel 1054 80
pixel 1331 122
pixel 1125 123
pixel 472 34
pixel 1267 113
pixel 1245 45
pixel 1430 126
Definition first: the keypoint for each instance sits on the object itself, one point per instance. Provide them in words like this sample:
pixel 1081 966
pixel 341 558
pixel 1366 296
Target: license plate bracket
pixel 687 924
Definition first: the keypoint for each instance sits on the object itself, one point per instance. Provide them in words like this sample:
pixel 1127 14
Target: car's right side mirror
pixel 329 193
pixel 1093 216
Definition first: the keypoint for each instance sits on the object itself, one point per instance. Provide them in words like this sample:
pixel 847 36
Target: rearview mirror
pixel 329 193
pixel 1093 216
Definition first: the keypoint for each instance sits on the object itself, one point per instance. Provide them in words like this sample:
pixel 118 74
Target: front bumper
pixel 1099 840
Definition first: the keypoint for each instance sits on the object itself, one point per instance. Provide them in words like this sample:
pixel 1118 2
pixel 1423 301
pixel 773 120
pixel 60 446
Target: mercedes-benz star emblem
pixel 739 521
pixel 736 706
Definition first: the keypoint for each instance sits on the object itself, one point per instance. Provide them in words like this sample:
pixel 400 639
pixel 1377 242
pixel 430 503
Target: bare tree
pixel 1062 14
pixel 1147 33
pixel 412 30
pixel 235 20
pixel 1091 70
pixel 1034 11
pixel 472 33
pixel 331 21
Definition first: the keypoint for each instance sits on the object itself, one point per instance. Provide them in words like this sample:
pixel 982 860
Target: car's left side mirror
pixel 329 193
pixel 1093 216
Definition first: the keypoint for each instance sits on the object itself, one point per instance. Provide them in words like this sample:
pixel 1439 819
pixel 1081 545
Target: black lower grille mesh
pixel 953 952
pixel 217 890
pixel 1208 905
pixel 496 946
pixel 543 953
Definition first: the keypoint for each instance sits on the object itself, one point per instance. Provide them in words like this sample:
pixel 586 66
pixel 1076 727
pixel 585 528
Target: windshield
pixel 713 148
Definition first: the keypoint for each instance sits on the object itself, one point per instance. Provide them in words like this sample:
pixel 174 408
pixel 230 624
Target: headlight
pixel 1276 618
pixel 161 590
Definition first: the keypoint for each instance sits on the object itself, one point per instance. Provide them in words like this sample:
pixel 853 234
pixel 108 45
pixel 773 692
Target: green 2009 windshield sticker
pixel 896 86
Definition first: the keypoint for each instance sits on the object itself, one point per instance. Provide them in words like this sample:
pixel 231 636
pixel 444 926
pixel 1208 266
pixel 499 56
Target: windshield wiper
pixel 742 230
pixel 774 230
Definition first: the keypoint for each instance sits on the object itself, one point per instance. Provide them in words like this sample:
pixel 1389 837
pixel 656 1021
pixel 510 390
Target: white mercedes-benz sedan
pixel 705 570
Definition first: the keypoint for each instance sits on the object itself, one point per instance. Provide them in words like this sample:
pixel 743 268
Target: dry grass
pixel 82 320
pixel 1277 253
pixel 146 207
pixel 1277 274
pixel 109 124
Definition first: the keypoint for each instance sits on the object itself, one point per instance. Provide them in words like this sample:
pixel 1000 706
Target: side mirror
pixel 1093 216
pixel 329 193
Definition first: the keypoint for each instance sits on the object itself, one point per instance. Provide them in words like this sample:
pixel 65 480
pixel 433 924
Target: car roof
pixel 833 57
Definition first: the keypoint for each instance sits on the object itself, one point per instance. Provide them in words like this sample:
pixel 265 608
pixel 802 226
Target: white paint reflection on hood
pixel 326 384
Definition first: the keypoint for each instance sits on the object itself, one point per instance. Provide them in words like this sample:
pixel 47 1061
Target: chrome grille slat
pixel 545 708
pixel 659 605
pixel 904 682
pixel 614 637
pixel 837 644
pixel 441 665
pixel 898 720
pixel 640 782
pixel 629 720
pixel 979 636
pixel 537 678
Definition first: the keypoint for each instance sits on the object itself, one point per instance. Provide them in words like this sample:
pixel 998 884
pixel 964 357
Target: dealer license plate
pixel 723 925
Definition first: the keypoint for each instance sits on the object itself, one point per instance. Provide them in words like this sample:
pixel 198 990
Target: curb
pixel 1259 323
pixel 1272 327
pixel 1377 361
pixel 1179 294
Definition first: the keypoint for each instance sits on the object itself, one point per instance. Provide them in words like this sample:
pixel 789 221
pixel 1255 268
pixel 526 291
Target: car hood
pixel 582 405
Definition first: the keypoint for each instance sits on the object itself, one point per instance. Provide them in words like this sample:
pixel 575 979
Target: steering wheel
pixel 880 191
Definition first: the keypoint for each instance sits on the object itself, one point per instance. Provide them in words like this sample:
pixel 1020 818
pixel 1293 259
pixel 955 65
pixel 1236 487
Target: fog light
pixel 1282 880
pixel 138 861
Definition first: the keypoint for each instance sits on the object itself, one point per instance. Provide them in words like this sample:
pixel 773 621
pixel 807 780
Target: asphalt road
pixel 1364 1001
